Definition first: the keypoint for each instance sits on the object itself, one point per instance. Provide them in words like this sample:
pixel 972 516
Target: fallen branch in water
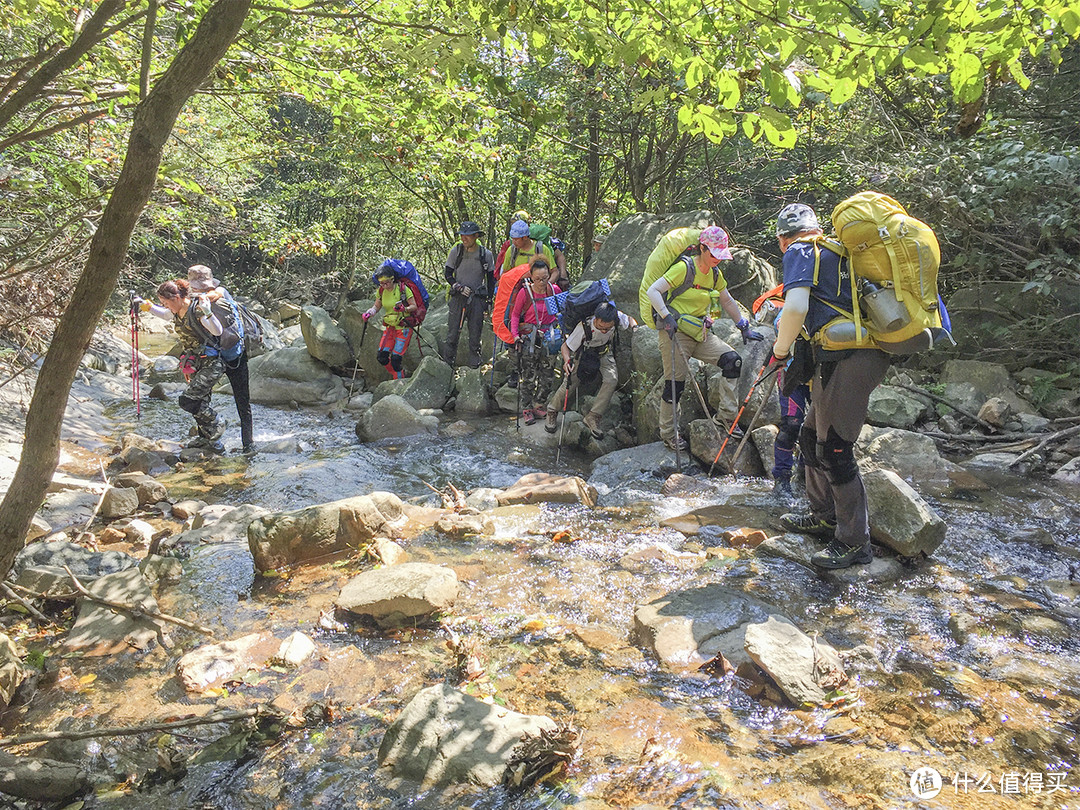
pixel 1061 434
pixel 916 390
pixel 127 731
pixel 137 612
pixel 33 611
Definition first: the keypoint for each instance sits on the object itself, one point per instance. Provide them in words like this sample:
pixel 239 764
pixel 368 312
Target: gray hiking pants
pixel 609 381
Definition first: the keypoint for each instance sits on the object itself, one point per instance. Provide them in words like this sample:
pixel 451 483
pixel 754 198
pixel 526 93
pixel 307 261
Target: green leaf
pixel 695 72
pixel 728 90
pixel 1017 71
pixel 967 77
pixel 921 58
pixel 843 90
pixel 1070 21
pixel 778 128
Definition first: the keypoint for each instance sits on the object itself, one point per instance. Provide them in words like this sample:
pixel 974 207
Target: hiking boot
pixel 551 422
pixel 806 523
pixel 677 442
pixel 248 449
pixel 528 417
pixel 197 442
pixel 512 380
pixel 726 427
pixel 592 422
pixel 217 447
pixel 840 555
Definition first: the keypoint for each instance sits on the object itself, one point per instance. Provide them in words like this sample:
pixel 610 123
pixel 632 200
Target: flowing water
pixel 996 707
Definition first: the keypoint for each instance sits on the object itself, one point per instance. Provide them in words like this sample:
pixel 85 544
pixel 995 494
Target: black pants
pixel 474 308
pixel 237 372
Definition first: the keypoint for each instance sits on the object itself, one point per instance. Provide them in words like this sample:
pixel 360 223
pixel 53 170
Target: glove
pixel 466 291
pixel 457 289
pixel 142 304
pixel 668 324
pixel 203 305
pixel 368 315
pixel 707 322
pixel 400 306
pixel 748 334
pixel 784 361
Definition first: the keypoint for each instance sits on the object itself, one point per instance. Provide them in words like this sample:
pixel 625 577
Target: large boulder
pixel 324 339
pixel 544 487
pixel 472 392
pixel 42 780
pixel 647 412
pixel 989 379
pixel 805 669
pixel 365 343
pixel 630 465
pixel 119 502
pixel 910 455
pixel 445 736
pixel 287 538
pixel 706 439
pixel 392 417
pixel 39 567
pixel 685 629
pixel 429 386
pixel 291 375
pixel 626 250
pixel 400 594
pixel 100 630
pixel 899 517
pixel 895 407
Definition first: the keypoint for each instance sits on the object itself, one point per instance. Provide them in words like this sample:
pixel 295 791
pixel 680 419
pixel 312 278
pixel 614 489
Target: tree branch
pixel 128 731
pixel 137 612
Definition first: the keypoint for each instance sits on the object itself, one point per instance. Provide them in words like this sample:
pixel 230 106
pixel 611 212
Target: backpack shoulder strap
pixel 687 282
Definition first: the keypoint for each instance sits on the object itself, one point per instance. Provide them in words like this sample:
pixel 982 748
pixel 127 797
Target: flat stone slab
pixel 721 516
pixel 445 736
pixel 100 630
pixel 212 665
pixel 545 488
pixel 399 594
pixel 805 669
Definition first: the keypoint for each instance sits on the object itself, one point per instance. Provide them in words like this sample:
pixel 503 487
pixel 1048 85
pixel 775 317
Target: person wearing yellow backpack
pixel 816 281
pixel 681 302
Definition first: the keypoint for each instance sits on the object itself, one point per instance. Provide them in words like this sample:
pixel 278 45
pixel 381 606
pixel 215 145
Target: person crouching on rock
pixel 529 317
pixel 397 301
pixel 198 330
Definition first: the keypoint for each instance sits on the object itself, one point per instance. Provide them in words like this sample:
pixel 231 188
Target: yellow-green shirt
pixel 696 300
pixel 388 299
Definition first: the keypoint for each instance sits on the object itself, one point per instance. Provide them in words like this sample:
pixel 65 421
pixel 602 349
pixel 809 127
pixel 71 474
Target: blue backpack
pixel 578 303
pixel 407 276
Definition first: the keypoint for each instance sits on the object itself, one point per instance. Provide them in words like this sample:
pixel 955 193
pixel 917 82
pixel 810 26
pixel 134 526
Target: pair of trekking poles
pixel 133 313
pixel 771 375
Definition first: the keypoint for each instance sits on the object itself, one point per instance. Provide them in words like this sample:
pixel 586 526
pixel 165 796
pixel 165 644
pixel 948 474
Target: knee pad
pixel 838 458
pixel 679 386
pixel 730 365
pixel 383 357
pixel 789 431
pixel 808 447
pixel 396 361
pixel 188 404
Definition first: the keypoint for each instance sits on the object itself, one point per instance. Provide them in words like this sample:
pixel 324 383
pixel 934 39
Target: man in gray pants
pixel 815 277
pixel 468 271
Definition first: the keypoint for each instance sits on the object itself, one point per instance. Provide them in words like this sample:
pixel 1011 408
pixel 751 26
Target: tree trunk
pixel 592 182
pixel 153 122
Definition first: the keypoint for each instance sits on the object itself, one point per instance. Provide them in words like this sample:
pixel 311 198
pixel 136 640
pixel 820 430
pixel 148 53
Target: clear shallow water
pixel 552 623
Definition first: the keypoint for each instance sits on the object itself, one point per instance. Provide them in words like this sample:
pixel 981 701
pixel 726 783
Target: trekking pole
pixel 363 334
pixel 700 396
pixel 566 401
pixel 675 408
pixel 133 311
pixel 517 410
pixel 761 407
pixel 494 348
pixel 738 416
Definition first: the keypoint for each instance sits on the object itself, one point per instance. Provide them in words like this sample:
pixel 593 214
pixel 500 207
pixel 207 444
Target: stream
pixel 974 671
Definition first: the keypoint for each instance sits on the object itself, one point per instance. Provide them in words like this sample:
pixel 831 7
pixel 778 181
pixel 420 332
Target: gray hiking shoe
pixel 592 422
pixel 551 422
pixel 677 442
pixel 838 555
pixel 806 523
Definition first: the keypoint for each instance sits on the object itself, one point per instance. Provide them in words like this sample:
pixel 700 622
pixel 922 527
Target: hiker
pixel 398 302
pixel 202 282
pixel 523 247
pixel 597 243
pixel 766 310
pixel 198 330
pixel 469 272
pixel 529 319
pixel 684 324
pixel 586 352
pixel 814 280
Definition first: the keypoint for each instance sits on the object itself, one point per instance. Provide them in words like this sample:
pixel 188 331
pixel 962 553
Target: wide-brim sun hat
pixel 201 278
pixel 468 229
pixel 715 239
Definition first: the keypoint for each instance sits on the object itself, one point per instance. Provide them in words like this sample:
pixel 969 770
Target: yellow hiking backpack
pixel 663 256
pixel 893 260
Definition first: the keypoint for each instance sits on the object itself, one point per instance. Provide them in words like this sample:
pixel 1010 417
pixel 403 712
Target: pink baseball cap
pixel 715 239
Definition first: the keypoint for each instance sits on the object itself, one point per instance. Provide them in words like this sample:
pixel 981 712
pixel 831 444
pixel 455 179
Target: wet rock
pixel 706 439
pixel 164 369
pixel 686 628
pixel 483 498
pixel 41 780
pixel 323 338
pixel 472 392
pixel 393 417
pixel 1044 627
pixel 359 403
pixel 686 486
pixel 1069 472
pixel 295 650
pixel 997 461
pixel 388 551
pixel 218 523
pixel 805 669
pixel 158 569
pixel 280 447
pixel 899 517
pixel 445 736
pixel 119 502
pixel 964 626
pixel 794 547
pixel 289 375
pixel 462 526
pixel 459 428
pixel 647 412
pixel 506 399
pixel 429 386
pixel 633 464
pixel 764 441
pixel 717 516
pixel 162 392
pixel 83 562
pixel 745 538
pixel 182 510
pixel 287 538
pixel 546 488
pixel 995 411
pixel 663 554
pixel 912 456
pixel 100 630
pixel 988 379
pixel 149 489
pixel 12 671
pixel 400 594
pixel 212 665
pixel 895 407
